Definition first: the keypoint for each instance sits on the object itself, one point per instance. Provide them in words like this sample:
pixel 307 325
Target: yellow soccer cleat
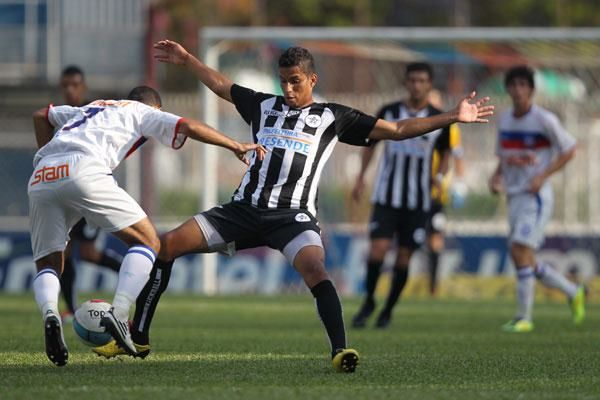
pixel 518 326
pixel 345 360
pixel 577 304
pixel 112 349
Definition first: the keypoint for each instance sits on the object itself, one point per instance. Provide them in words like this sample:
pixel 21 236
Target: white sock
pixel 133 275
pixel 46 287
pixel 551 278
pixel 525 292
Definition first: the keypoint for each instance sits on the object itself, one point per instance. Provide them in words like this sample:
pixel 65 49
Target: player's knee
pixel 166 252
pixel 313 271
pixel 379 248
pixel 154 243
pixel 521 254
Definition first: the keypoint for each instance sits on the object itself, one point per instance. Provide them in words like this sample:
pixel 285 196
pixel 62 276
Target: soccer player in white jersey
pixel 275 204
pixel 532 145
pixel 72 179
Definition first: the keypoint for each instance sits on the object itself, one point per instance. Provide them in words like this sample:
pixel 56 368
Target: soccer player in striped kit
pixel 275 204
pixel 401 196
pixel 532 145
pixel 72 179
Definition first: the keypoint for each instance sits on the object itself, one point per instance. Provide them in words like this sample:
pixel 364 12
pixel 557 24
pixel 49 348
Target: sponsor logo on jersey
pixel 301 217
pixel 274 113
pixel 314 121
pixel 50 174
pixel 285 139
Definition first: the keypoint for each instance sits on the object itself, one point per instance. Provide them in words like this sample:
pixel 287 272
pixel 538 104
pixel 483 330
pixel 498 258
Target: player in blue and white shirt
pixel 276 202
pixel 72 179
pixel 532 145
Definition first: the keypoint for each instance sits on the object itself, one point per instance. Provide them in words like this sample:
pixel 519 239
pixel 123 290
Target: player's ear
pixel 313 80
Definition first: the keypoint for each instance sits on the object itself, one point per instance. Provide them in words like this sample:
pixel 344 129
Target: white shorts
pixel 62 189
pixel 528 215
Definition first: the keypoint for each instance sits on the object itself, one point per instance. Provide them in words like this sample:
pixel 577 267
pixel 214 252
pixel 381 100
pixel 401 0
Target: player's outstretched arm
pixel 44 131
pixel 198 131
pixel 468 110
pixel 172 52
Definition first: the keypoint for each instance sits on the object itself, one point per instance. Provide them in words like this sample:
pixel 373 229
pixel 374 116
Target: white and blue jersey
pixel 527 145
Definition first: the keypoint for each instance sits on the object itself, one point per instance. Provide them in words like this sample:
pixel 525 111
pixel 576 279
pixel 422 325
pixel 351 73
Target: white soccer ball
pixel 87 323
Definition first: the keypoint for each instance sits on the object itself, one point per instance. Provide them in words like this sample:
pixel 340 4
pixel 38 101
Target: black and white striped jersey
pixel 299 141
pixel 404 174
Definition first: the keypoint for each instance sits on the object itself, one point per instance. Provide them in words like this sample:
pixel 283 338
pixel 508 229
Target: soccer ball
pixel 87 323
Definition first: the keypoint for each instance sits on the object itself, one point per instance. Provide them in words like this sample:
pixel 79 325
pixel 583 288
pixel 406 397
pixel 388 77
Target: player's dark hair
pixel 298 57
pixel 520 71
pixel 71 70
pixel 420 67
pixel 146 95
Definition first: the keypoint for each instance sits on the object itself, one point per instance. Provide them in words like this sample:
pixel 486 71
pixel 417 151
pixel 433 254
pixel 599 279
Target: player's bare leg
pixel 399 278
pixel 309 262
pixel 46 288
pixel 133 276
pixel 377 251
pixel 435 244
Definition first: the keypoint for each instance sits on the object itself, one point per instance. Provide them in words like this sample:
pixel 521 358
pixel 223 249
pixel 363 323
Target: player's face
pixel 418 84
pixel 73 89
pixel 520 92
pixel 297 86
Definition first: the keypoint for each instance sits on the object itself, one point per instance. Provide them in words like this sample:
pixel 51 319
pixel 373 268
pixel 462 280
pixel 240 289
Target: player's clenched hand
pixel 243 148
pixel 170 52
pixel 536 183
pixel 471 110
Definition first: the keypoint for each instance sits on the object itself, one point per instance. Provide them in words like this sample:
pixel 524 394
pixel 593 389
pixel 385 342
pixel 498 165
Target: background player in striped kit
pixel 532 145
pixel 83 235
pixel 72 178
pixel 275 204
pixel 402 192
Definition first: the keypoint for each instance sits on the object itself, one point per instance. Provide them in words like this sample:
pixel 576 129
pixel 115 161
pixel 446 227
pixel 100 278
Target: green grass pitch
pixel 274 348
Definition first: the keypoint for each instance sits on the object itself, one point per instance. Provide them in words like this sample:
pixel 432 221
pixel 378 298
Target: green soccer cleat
pixel 577 304
pixel 518 326
pixel 112 349
pixel 345 360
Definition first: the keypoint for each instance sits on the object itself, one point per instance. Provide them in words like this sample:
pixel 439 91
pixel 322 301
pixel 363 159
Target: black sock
pixel 434 258
pixel 111 260
pixel 373 272
pixel 398 281
pixel 147 301
pixel 67 285
pixel 330 311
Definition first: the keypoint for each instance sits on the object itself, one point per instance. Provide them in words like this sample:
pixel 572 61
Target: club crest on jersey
pixel 314 121
pixel 301 217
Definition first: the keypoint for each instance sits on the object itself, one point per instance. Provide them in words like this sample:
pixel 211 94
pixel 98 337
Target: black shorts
pixel 248 226
pixel 84 232
pixel 407 226
pixel 437 218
